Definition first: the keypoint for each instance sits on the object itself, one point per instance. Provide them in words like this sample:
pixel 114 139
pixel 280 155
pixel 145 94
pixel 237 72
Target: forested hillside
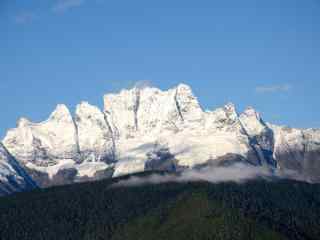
pixel 257 209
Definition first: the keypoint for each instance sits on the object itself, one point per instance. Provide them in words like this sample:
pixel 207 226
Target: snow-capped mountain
pixel 147 128
pixel 13 177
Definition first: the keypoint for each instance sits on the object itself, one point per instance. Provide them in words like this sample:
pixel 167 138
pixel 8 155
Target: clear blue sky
pixel 260 53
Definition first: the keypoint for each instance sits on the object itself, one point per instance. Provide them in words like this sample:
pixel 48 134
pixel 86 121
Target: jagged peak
pixel 230 110
pixel 187 103
pixel 252 122
pixel 251 112
pixel 227 112
pixel 22 122
pixel 122 93
pixel 84 104
pixel 230 107
pixel 183 87
pixel 86 108
pixel 61 112
pixel 183 90
pixel 180 88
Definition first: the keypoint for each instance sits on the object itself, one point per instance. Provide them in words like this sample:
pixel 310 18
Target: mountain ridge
pixel 146 126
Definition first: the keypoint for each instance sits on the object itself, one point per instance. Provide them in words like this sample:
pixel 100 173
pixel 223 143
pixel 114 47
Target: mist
pixel 238 173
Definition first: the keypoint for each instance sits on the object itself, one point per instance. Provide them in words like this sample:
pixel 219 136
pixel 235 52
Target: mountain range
pixel 146 129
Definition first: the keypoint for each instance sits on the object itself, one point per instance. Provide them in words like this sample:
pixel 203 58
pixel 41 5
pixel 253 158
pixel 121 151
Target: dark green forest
pixel 259 209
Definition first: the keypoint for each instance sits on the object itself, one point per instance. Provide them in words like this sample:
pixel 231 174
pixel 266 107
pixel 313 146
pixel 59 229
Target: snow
pixel 94 136
pixel 90 168
pixel 55 137
pixel 6 169
pixel 84 169
pixel 129 166
pixel 132 124
pixel 10 169
pixel 287 139
pixel 58 134
pixel 191 150
pixel 53 170
pixel 251 121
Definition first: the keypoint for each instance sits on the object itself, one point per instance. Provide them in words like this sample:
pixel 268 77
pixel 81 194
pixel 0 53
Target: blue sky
pixel 260 53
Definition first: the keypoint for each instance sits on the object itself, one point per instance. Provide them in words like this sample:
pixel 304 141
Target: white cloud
pixel 236 173
pixel 24 17
pixel 65 5
pixel 274 88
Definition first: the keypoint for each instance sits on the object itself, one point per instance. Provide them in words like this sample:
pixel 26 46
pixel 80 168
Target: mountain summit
pixel 149 129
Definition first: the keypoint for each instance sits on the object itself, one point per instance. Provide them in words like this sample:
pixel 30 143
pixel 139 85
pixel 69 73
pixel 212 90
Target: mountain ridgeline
pixel 145 129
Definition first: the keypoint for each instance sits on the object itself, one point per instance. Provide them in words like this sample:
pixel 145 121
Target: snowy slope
pixel 12 177
pixel 95 137
pixel 147 126
pixel 148 117
pixel 44 143
pixel 59 143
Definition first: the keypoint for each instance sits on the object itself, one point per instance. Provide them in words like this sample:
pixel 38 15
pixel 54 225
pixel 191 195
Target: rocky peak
pixel 45 142
pixel 61 113
pixel 84 109
pixel 139 111
pixel 230 110
pixel 184 89
pixel 224 118
pixel 185 96
pixel 187 105
pixel 23 122
pixel 250 112
pixel 252 122
pixel 122 111
pixel 260 135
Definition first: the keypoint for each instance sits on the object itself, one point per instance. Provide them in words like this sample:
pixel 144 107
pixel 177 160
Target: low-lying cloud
pixel 236 173
pixel 274 88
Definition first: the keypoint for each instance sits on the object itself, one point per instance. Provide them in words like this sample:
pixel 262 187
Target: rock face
pixel 95 138
pixel 298 150
pixel 13 177
pixel 147 129
pixel 261 136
